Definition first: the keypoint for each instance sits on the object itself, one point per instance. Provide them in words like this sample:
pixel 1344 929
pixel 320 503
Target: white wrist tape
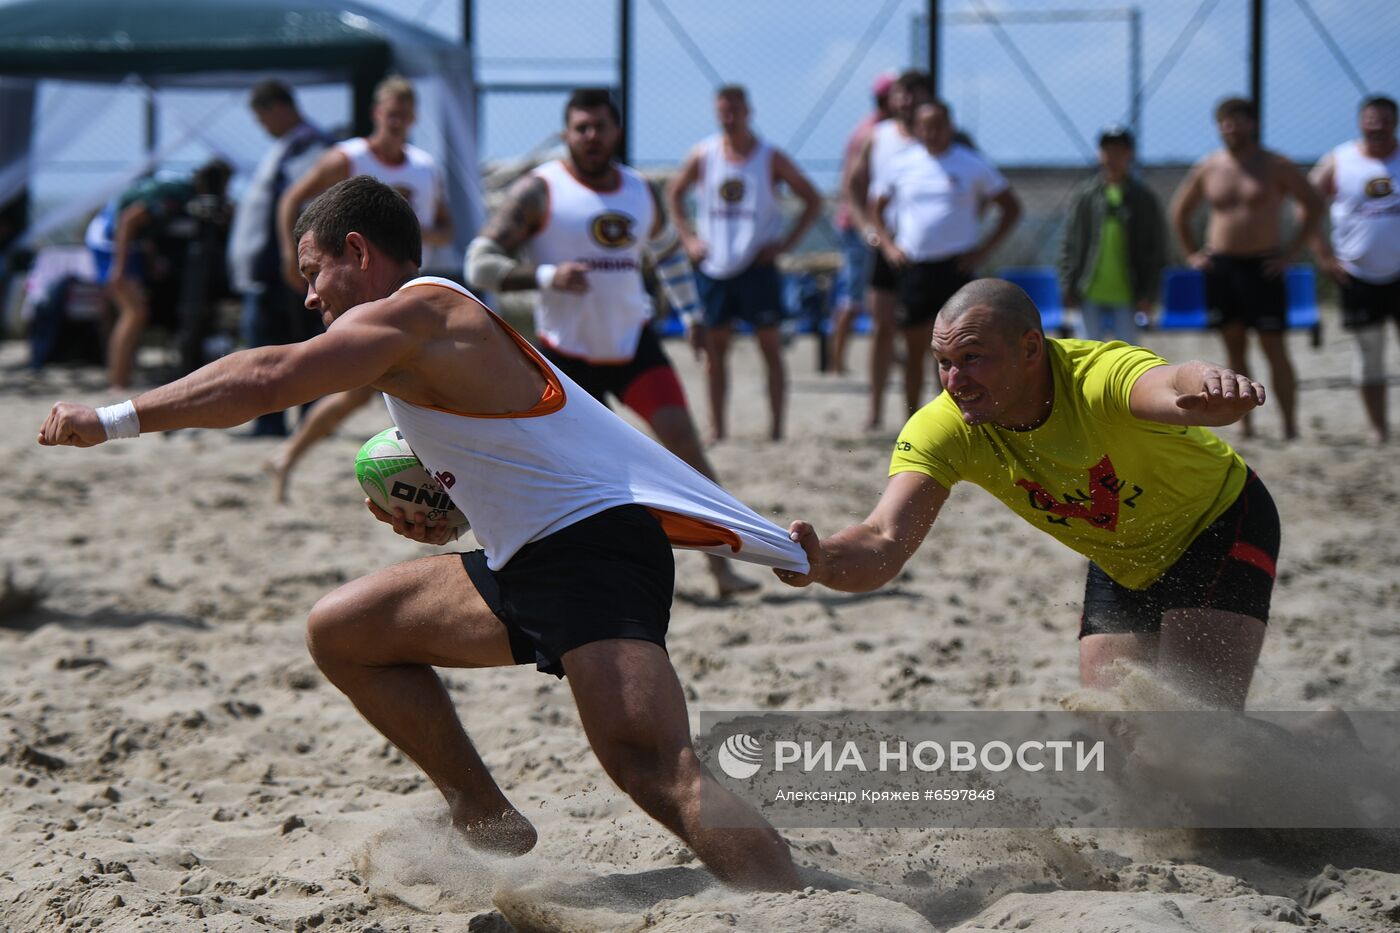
pixel 119 420
pixel 544 276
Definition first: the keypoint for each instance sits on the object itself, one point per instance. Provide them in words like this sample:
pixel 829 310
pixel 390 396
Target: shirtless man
pixel 1361 180
pixel 385 154
pixel 1243 258
pixel 587 221
pixel 887 140
pixel 576 575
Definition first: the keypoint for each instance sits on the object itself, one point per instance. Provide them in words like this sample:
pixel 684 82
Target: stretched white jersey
pixel 417 178
pixel 737 208
pixel 605 231
pixel 520 477
pixel 1366 213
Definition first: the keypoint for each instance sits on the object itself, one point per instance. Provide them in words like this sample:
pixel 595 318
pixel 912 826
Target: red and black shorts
pixel 646 383
pixel 1229 567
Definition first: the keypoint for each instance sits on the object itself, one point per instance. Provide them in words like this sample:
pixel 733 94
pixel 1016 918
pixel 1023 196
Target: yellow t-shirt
pixel 1129 494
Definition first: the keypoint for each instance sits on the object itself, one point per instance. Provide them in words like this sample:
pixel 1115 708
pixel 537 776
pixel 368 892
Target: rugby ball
pixel 393 478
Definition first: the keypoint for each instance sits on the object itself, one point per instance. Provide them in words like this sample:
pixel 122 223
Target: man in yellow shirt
pixel 1103 445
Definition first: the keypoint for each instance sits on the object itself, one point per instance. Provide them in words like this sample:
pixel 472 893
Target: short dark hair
pixel 268 92
pixel 212 177
pixel 587 98
pixel 1236 107
pixel 733 92
pixel 1380 101
pixel 366 206
pixel 914 79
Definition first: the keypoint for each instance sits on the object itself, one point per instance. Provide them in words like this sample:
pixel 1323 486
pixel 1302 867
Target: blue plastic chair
pixel 1302 301
pixel 1043 285
pixel 1183 300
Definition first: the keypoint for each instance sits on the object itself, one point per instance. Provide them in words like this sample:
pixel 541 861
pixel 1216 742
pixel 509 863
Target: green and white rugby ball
pixel 393 478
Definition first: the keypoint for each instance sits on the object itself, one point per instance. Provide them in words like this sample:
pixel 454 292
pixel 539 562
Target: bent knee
pixel 337 622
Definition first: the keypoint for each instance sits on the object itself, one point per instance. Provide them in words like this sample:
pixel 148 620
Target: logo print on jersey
pixel 732 190
pixel 613 230
pixel 1380 187
pixel 1098 506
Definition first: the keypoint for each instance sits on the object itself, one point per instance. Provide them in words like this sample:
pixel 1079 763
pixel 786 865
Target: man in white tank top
pixel 736 241
pixel 386 154
pixel 587 220
pixel 576 575
pixel 887 140
pixel 1361 179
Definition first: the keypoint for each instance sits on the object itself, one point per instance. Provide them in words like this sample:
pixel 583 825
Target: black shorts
pixel 1230 567
pixel 610 575
pixel 646 383
pixel 1365 303
pixel 883 276
pixel 924 288
pixel 1238 292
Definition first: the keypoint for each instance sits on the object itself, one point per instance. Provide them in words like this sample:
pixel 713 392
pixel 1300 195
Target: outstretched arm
pixel 357 350
pixel 1194 393
pixel 865 557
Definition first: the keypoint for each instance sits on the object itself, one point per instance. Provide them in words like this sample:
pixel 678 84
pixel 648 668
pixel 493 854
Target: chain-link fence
pixel 1031 81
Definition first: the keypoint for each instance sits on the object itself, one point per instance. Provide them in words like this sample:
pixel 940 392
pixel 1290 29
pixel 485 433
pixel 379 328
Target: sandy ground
pixel 170 758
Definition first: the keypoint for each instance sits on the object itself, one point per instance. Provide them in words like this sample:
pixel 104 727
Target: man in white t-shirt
pixel 937 191
pixel 1361 179
pixel 576 511
pixel 385 154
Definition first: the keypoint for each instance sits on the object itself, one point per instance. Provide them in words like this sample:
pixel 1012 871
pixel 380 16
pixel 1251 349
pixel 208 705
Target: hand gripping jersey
pixel 1366 213
pixel 605 231
pixel 520 477
pixel 416 178
pixel 737 207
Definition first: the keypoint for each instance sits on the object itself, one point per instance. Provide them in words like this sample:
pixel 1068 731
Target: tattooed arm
pixel 491 265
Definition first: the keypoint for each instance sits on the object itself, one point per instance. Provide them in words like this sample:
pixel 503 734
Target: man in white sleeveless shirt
pixel 736 242
pixel 586 221
pixel 577 512
pixel 887 140
pixel 385 154
pixel 1361 179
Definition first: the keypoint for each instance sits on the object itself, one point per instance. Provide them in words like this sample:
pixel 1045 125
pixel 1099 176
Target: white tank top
pixel 523 476
pixel 417 178
pixel 604 230
pixel 737 208
pixel 1366 213
pixel 887 142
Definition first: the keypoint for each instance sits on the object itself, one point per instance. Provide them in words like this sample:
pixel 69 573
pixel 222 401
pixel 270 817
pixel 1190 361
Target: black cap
pixel 1116 133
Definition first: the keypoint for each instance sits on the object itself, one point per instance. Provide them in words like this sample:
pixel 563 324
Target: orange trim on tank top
pixel 688 531
pixel 552 399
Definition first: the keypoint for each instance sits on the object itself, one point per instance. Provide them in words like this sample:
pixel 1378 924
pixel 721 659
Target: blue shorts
pixel 102 260
pixel 853 277
pixel 754 296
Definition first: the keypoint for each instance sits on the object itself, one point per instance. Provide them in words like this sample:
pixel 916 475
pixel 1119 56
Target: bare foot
pixel 727 582
pixel 507 833
pixel 279 469
pixel 714 437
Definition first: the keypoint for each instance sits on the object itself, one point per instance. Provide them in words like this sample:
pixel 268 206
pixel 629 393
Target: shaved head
pixel 1009 309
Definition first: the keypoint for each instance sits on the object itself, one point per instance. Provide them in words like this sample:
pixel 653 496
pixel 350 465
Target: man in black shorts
pixel 1104 447
pixel 587 220
pixel 1244 259
pixel 936 192
pixel 575 575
